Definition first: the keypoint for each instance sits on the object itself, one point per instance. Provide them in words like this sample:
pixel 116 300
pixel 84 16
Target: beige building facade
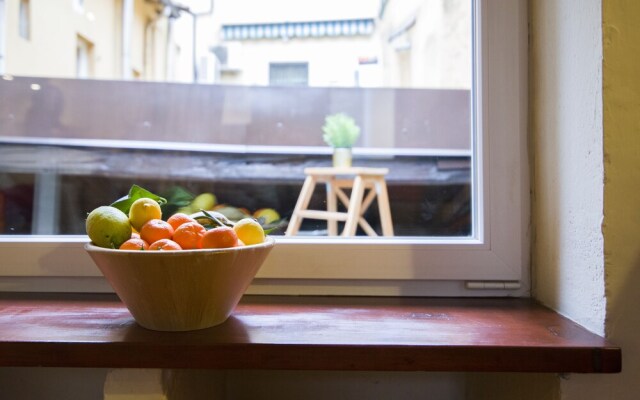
pixel 84 39
pixel 394 43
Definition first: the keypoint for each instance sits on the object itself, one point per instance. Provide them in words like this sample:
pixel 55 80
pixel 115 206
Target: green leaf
pixel 221 220
pixel 136 192
pixel 179 196
pixel 280 224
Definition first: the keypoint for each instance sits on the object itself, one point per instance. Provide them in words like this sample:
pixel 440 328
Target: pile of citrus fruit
pixel 144 229
pixel 209 201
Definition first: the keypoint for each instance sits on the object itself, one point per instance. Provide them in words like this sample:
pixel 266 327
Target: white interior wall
pixel 566 126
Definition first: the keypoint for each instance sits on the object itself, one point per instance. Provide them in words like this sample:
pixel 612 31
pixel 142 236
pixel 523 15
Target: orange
pixel 178 219
pixel 134 244
pixel 165 244
pixel 189 235
pixel 220 238
pixel 155 230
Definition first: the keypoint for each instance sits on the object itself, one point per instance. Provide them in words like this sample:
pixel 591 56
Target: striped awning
pixel 288 30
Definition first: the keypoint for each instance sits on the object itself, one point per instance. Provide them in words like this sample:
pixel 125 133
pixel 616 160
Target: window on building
pixel 289 74
pixel 414 77
pixel 84 58
pixel 78 5
pixel 24 19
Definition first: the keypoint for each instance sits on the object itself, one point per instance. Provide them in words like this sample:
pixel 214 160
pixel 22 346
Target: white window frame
pixel 498 251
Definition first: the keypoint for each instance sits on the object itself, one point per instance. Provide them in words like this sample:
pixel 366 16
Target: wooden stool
pixel 357 204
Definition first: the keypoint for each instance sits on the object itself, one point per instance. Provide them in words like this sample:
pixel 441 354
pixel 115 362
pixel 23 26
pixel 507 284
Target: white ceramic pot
pixel 342 157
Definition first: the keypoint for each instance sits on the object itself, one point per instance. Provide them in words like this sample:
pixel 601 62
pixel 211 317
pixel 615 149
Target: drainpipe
pixel 3 24
pixel 168 65
pixel 194 35
pixel 127 22
pixel 174 11
pixel 194 39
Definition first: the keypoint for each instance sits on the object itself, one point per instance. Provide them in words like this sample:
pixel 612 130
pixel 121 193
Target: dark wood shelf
pixel 307 333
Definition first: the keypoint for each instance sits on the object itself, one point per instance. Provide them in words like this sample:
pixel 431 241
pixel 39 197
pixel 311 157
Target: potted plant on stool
pixel 340 132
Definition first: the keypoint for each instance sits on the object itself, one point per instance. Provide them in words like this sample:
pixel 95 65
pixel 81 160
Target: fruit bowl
pixel 180 290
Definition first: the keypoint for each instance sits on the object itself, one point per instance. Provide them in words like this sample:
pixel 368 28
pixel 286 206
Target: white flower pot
pixel 342 157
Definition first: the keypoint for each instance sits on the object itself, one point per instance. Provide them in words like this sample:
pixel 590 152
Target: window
pixel 481 235
pixel 78 5
pixel 84 58
pixel 289 74
pixel 24 19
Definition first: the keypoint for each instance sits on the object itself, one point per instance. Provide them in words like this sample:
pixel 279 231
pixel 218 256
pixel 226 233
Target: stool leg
pixel 368 199
pixel 302 204
pixel 383 206
pixel 332 206
pixel 355 202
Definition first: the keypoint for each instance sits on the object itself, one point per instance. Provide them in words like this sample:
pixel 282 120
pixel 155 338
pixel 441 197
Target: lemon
pixel 204 201
pixel 108 227
pixel 142 211
pixel 249 231
pixel 267 215
pixel 186 210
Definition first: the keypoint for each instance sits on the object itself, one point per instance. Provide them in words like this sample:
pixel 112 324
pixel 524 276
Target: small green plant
pixel 340 130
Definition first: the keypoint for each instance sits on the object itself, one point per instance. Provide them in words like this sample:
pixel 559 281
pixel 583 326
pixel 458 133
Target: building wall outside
pixel 332 61
pixel 51 48
pixel 435 52
pixel 438 53
pixel 56 26
pixel 438 56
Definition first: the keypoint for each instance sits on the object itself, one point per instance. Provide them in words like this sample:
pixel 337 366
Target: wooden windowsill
pixel 307 333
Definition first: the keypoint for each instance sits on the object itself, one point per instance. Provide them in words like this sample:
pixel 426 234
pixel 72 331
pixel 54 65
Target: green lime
pixel 108 227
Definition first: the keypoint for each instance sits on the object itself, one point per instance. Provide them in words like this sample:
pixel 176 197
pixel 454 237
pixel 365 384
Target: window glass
pixel 230 97
pixel 84 58
pixel 24 19
pixel 289 74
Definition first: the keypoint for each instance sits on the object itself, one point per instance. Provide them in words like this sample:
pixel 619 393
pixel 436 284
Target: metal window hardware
pixel 492 285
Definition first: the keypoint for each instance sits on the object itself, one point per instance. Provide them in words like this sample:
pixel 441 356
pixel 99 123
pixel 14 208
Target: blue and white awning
pixel 288 30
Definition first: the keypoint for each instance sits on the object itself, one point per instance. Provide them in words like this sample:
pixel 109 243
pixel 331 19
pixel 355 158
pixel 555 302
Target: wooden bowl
pixel 180 290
